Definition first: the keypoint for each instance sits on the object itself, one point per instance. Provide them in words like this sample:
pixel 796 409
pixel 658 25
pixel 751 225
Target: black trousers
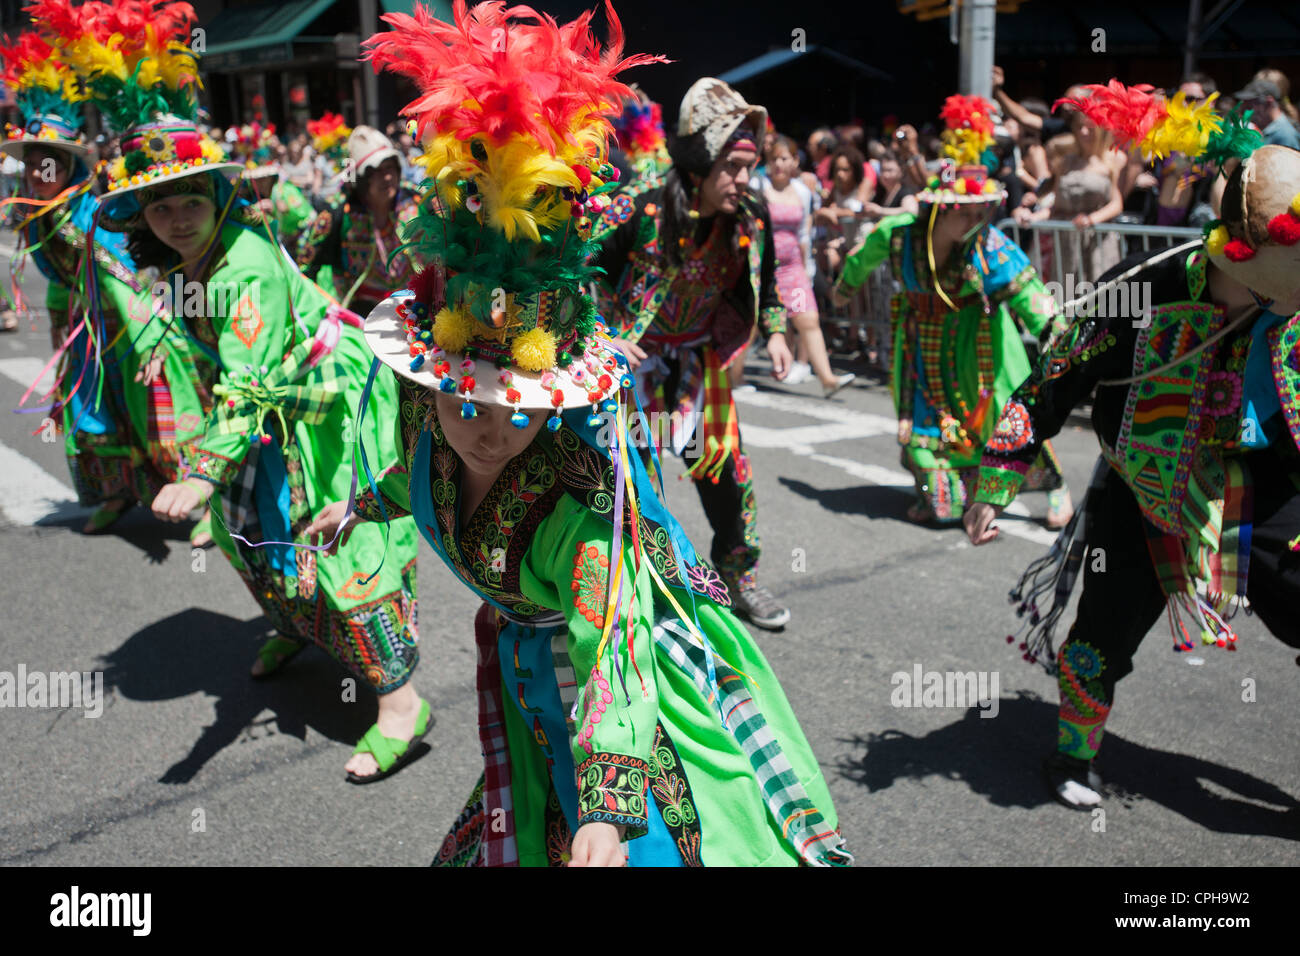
pixel 1120 605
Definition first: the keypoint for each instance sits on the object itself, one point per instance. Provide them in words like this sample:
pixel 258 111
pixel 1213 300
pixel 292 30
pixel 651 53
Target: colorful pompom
pixel 534 350
pixel 452 329
pixel 1238 251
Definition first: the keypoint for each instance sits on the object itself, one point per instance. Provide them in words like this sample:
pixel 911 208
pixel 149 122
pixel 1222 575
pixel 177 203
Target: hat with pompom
pixel 131 60
pixel 964 178
pixel 48 95
pixel 513 118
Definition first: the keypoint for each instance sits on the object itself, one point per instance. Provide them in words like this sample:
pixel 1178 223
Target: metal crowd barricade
pixel 864 324
pixel 1038 238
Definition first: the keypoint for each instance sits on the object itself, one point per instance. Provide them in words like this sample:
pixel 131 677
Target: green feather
pixel 1235 141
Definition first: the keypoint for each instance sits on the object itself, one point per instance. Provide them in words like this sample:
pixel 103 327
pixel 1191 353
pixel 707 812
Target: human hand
pixel 634 354
pixel 780 355
pixel 175 501
pixel 327 523
pixel 1082 221
pixel 999 78
pixel 597 844
pixel 149 371
pixel 1022 215
pixel 977 521
pixel 1145 180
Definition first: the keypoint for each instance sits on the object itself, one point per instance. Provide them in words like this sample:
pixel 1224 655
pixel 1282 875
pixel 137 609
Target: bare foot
pixel 398 713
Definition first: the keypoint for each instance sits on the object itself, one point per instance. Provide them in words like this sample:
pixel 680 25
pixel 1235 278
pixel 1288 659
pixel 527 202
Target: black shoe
pixel 1073 782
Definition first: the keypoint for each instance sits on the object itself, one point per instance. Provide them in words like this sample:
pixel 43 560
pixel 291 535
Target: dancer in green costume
pixel 286 370
pixel 619 697
pixel 957 349
pixel 124 439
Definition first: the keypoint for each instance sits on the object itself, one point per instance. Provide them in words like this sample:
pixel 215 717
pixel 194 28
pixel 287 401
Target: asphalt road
pixel 1195 774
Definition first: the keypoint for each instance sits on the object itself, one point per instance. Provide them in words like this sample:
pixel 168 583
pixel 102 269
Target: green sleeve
pixel 569 567
pixel 249 305
pixel 873 251
pixel 1032 305
pixel 57 302
pixel 394 482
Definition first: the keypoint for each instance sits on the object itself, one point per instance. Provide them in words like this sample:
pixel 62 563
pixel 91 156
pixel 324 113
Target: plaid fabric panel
pixel 498 846
pixel 237 502
pixel 801 823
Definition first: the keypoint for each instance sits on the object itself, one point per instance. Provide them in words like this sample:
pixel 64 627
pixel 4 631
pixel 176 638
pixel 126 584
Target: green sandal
pixel 105 517
pixel 391 753
pixel 275 653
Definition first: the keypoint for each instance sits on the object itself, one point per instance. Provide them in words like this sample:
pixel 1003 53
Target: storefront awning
pixel 439 8
pixel 264 32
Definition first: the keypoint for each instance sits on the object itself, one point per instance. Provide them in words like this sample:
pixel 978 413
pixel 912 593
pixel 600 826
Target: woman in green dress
pixel 124 438
pixel 285 367
pixel 619 697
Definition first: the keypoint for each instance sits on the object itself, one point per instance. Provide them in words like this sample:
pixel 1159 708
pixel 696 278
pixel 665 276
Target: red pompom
pixel 1238 251
pixel 1284 229
pixel 188 148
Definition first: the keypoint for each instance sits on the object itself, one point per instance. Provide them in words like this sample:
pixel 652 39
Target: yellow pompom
pixel 1295 204
pixel 1216 240
pixel 959 187
pixel 534 350
pixel 452 330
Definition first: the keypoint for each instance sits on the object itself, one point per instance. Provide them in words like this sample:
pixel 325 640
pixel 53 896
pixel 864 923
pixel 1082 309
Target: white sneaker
pixel 799 373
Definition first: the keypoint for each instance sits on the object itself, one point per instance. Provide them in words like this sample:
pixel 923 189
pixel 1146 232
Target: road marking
pixel 817 408
pixel 29 493
pixel 24 369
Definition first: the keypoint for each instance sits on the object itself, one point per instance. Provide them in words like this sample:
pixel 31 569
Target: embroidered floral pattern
pixel 672 794
pixel 1222 394
pixel 595 698
pixel 1014 430
pixel 590 583
pixel 612 789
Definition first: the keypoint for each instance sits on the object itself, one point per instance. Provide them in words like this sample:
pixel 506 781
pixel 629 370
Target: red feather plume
pixel 1129 112
pixel 485 75
pixel 968 112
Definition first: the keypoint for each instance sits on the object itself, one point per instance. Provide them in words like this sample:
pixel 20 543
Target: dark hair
pixel 357 194
pixel 148 250
pixel 786 143
pixel 856 162
pixel 1206 82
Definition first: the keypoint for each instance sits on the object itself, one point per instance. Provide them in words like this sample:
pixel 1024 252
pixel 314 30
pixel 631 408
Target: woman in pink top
pixel 789 204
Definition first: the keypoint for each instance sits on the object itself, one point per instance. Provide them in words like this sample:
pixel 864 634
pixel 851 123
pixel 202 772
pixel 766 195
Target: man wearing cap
pixel 1263 98
pixel 690 270
pixel 357 236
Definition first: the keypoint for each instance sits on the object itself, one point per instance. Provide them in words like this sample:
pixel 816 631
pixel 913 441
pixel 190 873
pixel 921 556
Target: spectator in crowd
pixel 893 194
pixel 820 146
pixel 1085 191
pixel 790 205
pixel 841 211
pixel 909 154
pixel 1181 181
pixel 1264 98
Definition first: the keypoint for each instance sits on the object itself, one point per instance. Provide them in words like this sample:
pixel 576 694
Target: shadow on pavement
pixel 137 527
pixel 1001 759
pixel 873 501
pixel 204 651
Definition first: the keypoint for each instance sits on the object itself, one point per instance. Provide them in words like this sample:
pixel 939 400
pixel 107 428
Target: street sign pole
pixel 977 34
